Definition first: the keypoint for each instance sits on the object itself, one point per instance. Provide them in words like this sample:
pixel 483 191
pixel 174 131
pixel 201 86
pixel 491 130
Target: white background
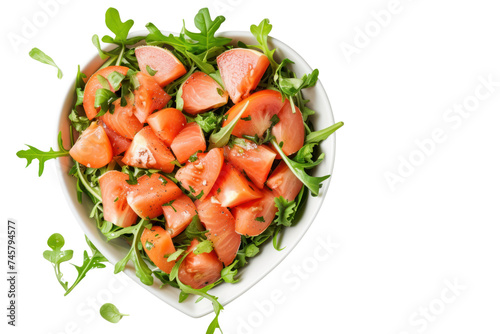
pixel 398 247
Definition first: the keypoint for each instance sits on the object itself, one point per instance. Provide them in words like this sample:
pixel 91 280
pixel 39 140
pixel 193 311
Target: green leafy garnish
pixel 286 211
pixel 205 246
pixel 170 205
pixel 298 169
pixel 150 71
pixel 79 123
pixel 261 33
pixel 34 153
pixel 206 39
pixel 93 262
pixel 57 256
pixel 141 268
pixel 260 219
pixel 228 273
pixel 320 135
pixel 221 137
pixel 119 28
pixel 39 55
pixel 209 121
pixel 110 313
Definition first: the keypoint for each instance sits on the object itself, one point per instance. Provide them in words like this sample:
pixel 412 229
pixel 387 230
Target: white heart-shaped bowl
pixel 268 258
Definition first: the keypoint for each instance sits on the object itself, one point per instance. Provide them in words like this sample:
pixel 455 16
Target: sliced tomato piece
pixel 232 188
pixel 290 129
pixel 241 71
pixel 254 160
pixel 261 108
pixel 199 270
pixel 220 225
pixel 189 141
pixel 167 66
pixel 148 97
pixel 199 176
pixel 167 123
pixel 158 245
pixel 123 120
pixel 93 85
pixel 201 93
pixel 114 190
pixel 93 148
pixel 150 193
pixel 254 217
pixel 284 183
pixel 178 214
pixel 148 151
pixel 118 143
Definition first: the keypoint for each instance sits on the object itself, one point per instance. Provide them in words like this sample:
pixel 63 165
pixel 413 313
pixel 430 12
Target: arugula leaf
pixel 115 79
pixel 320 135
pixel 119 28
pixel 141 268
pixel 79 123
pixel 97 44
pixel 228 274
pixel 39 55
pixel 104 99
pixel 201 63
pixel 110 313
pixel 206 37
pixel 150 71
pixel 205 246
pixel 286 210
pixel 261 33
pixel 57 256
pixel 194 230
pixel 209 121
pixel 311 182
pixel 248 251
pixel 94 262
pixel 156 36
pixel 34 153
pixel 175 255
pixel 221 137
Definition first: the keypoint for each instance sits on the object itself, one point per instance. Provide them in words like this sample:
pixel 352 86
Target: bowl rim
pixel 130 270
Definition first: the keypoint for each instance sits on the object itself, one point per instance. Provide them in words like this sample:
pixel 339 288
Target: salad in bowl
pixel 190 152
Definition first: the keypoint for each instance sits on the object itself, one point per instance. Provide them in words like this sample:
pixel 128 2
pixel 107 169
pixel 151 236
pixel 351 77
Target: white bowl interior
pixel 268 258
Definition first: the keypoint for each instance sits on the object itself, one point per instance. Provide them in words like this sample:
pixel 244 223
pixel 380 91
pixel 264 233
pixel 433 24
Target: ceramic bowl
pixel 268 258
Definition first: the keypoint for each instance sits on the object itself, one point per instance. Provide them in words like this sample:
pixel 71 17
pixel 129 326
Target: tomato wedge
pixel 241 71
pixel 290 129
pixel 148 151
pixel 123 120
pixel 119 144
pixel 93 85
pixel 167 66
pixel 167 123
pixel 261 108
pixel 148 97
pixel 220 225
pixel 189 141
pixel 201 93
pixel 199 176
pixel 254 160
pixel 284 183
pixel 150 193
pixel 254 217
pixel 114 199
pixel 93 148
pixel 178 214
pixel 199 270
pixel 232 188
pixel 157 243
